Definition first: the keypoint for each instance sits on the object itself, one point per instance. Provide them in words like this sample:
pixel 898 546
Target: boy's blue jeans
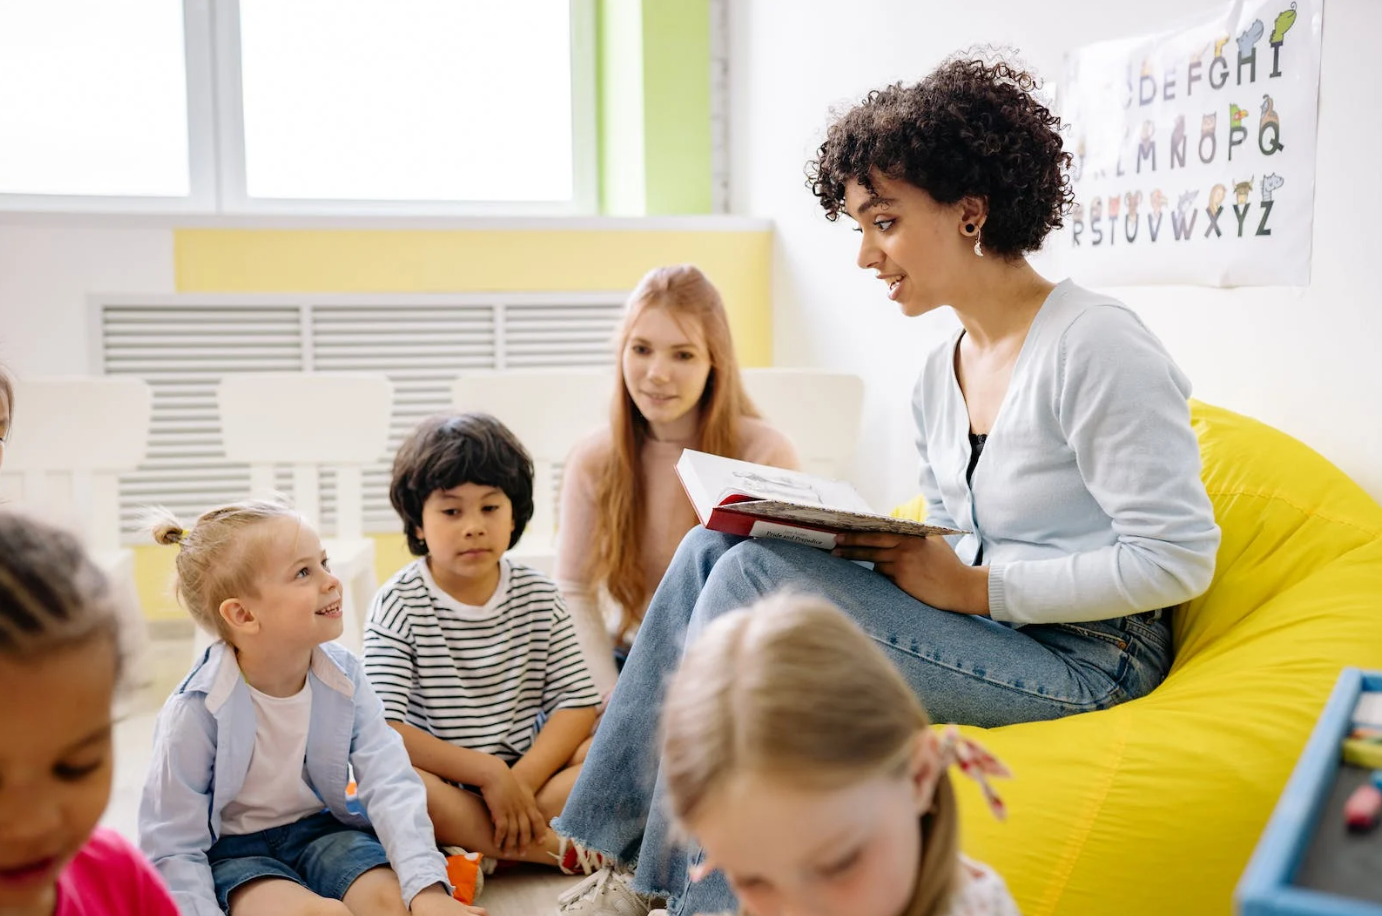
pixel 969 670
pixel 318 852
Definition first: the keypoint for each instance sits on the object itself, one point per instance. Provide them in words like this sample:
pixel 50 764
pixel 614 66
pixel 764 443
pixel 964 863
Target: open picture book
pixel 756 500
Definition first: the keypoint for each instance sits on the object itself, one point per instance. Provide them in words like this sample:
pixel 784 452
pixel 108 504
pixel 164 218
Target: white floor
pixel 521 892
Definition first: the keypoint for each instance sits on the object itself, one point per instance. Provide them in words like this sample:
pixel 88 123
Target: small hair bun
pixel 169 533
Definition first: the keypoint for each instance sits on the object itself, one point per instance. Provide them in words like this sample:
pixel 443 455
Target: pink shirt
pixel 667 513
pixel 109 877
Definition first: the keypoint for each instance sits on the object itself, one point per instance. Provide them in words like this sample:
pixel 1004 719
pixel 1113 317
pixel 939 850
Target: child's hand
pixel 517 820
pixel 435 901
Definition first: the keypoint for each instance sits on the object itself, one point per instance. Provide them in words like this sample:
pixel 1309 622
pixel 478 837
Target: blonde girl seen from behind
pixel 804 766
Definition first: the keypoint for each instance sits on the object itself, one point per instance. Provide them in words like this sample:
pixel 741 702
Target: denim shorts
pixel 318 852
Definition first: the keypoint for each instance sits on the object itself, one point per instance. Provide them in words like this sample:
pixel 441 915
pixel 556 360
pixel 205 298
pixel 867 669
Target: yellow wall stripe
pixel 401 261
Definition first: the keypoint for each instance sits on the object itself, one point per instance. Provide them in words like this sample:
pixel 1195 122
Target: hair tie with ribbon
pixel 976 763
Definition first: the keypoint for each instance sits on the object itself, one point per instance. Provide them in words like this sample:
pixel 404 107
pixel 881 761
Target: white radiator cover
pixel 182 345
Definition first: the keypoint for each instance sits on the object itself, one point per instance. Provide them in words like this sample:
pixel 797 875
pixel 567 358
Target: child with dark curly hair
pixel 1053 426
pixel 475 657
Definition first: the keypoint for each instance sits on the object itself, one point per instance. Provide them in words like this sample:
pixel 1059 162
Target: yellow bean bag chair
pixel 1154 807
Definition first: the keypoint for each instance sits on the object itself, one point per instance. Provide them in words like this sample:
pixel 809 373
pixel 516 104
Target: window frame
pixel 233 187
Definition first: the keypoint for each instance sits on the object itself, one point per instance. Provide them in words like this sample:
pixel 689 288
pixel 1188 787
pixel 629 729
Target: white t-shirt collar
pixel 443 599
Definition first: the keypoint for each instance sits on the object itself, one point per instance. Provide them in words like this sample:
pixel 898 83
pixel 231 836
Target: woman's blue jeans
pixel 968 670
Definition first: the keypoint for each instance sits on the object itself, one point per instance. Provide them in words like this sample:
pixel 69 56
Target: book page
pixel 711 479
pixel 770 483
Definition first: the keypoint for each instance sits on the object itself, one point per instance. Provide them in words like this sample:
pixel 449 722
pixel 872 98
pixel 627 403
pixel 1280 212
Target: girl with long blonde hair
pixel 623 511
pixel 802 762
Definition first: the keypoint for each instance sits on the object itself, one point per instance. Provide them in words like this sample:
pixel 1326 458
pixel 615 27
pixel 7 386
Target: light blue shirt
pixel 1087 498
pixel 202 747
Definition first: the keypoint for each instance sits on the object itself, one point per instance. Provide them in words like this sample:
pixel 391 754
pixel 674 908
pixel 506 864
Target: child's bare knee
pixel 380 899
pixel 325 906
pixel 431 782
pixel 434 784
pixel 376 893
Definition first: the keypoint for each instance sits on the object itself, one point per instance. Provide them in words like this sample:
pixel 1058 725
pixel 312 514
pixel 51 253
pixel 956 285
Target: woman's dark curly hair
pixel 969 129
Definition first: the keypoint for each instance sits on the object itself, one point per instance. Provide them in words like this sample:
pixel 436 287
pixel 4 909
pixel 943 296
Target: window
pixel 406 107
pixel 94 104
pixel 427 100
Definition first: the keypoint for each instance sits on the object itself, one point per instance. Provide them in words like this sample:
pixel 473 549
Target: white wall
pixel 1308 361
pixel 47 271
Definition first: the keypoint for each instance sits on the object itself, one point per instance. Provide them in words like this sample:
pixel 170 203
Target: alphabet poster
pixel 1195 151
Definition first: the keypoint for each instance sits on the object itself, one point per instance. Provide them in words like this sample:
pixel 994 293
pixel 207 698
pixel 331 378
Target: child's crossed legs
pixel 462 817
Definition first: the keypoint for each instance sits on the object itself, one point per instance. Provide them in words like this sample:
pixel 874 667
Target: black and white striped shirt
pixel 484 678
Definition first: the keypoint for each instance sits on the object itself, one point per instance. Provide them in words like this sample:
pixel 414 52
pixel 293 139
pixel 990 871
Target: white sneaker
pixel 605 893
